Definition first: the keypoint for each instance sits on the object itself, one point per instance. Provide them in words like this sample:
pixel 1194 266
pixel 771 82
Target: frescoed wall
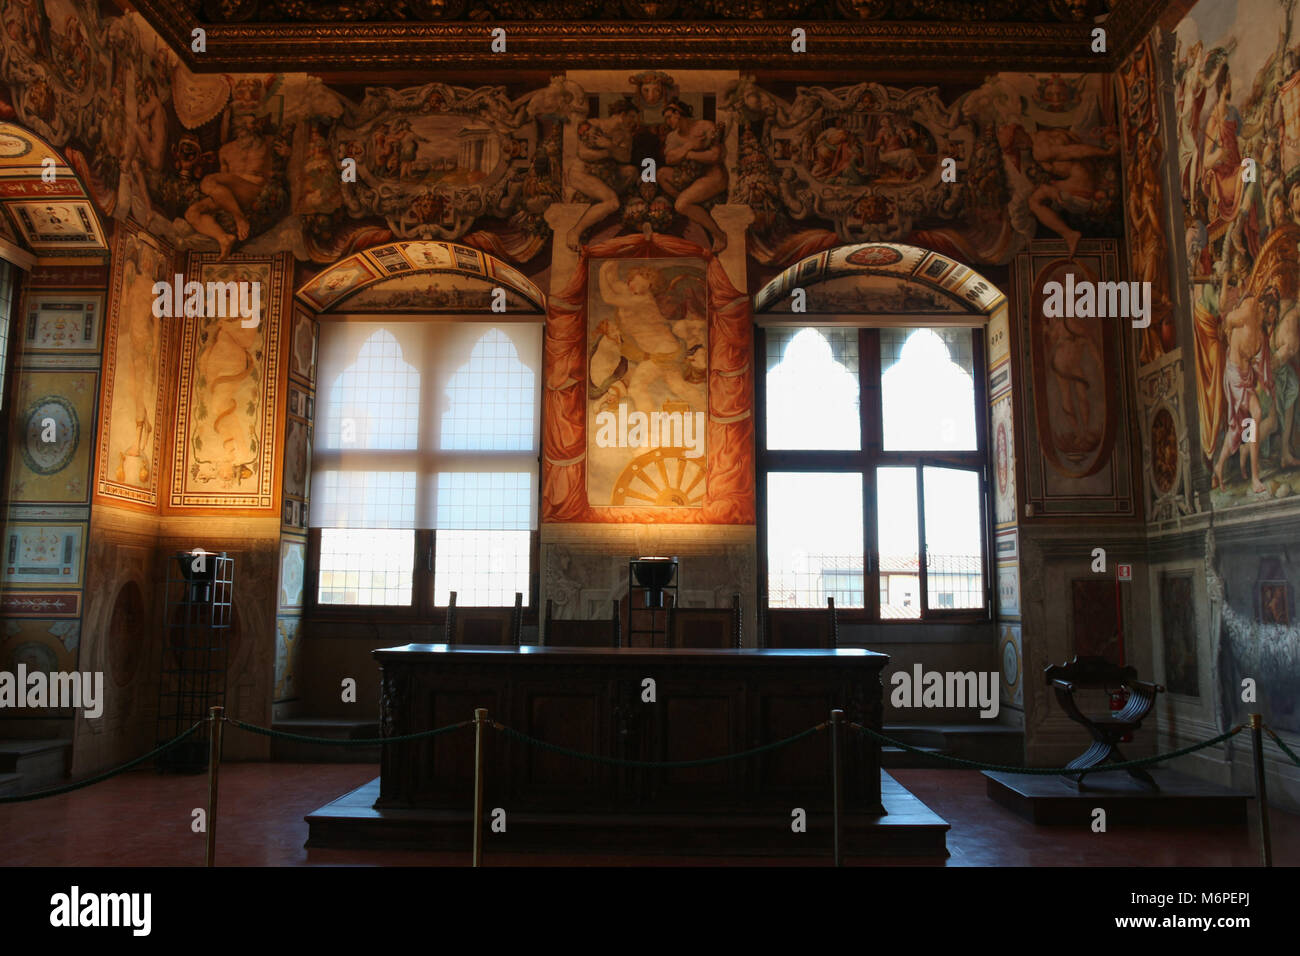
pixel 1217 386
pixel 1239 99
pixel 1006 511
pixel 1076 458
pixel 137 363
pixel 56 331
pixel 220 163
pixel 231 383
pixel 1034 155
pixel 647 320
pixel 299 427
pixel 625 311
pixel 250 177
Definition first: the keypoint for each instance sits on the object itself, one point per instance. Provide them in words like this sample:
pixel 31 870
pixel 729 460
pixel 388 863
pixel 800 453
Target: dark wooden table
pixel 707 703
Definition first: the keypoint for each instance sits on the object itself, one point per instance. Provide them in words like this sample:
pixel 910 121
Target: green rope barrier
pixel 68 788
pixel 621 762
pixel 363 742
pixel 1049 771
pixel 1285 749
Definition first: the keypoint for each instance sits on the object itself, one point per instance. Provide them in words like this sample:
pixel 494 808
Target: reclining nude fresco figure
pixel 1073 186
pixel 657 357
pixel 247 167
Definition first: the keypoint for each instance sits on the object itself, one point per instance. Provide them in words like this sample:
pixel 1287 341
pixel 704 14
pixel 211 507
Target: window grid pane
pixel 365 499
pixel 372 567
pixel 813 396
pixel 954 559
pixel 927 389
pixel 814 540
pixel 492 399
pixel 484 568
pixel 897 543
pixel 375 403
pixel 485 501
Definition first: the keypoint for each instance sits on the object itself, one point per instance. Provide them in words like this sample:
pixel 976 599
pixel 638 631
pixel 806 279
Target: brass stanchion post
pixel 836 716
pixel 217 716
pixel 480 719
pixel 1257 739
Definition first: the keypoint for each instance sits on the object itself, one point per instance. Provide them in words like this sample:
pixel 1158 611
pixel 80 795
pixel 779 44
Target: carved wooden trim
pixel 352 46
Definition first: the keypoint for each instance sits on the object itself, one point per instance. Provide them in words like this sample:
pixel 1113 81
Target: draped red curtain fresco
pixel 729 497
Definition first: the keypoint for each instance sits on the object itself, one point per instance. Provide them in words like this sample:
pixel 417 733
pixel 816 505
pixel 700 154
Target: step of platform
pixel 986 742
pixel 9 784
pixel 898 757
pixel 1180 800
pixel 335 728
pixel 36 764
pixel 908 829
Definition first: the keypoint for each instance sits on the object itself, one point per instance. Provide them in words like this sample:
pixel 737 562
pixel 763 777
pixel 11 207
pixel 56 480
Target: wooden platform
pixel 1054 800
pixel 909 828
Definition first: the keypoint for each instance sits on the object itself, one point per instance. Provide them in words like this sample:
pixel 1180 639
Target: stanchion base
pixel 1180 801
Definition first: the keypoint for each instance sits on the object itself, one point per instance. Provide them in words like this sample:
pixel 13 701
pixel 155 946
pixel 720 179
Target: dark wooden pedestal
pixel 706 703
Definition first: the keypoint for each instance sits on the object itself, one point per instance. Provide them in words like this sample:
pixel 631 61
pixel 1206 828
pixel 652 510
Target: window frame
pixel 422 609
pixel 865 460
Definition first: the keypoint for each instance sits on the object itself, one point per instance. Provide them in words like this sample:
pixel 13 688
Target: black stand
pixel 637 609
pixel 196 640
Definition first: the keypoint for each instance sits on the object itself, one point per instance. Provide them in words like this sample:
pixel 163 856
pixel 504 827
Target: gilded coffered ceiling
pixel 392 35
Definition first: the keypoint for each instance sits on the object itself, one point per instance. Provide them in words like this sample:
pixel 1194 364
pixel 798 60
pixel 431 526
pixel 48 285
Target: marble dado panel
pixel 586 566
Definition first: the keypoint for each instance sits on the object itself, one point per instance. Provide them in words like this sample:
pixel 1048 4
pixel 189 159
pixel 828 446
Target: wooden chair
pixel 705 627
pixel 1097 673
pixel 585 633
pixel 484 625
pixel 800 628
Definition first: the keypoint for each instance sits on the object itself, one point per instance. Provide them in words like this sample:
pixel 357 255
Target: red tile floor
pixel 144 819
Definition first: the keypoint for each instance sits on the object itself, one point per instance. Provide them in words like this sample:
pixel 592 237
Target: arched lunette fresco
pixel 420 276
pixel 921 281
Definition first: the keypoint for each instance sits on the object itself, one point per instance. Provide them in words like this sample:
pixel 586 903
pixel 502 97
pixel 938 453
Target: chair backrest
pixel 811 628
pixel 705 627
pixel 585 633
pixel 1096 673
pixel 1085 672
pixel 483 625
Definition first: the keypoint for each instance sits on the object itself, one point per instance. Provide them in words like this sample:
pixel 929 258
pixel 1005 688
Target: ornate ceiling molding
pixel 397 11
pixel 733 44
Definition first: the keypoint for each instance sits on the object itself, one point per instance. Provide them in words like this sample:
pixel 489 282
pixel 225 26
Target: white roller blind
pixel 427 424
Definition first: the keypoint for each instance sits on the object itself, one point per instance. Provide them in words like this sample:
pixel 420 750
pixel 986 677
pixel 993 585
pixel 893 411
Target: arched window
pixel 871 468
pixel 425 465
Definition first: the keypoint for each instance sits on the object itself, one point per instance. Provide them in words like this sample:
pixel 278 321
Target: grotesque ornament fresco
pixel 976 179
